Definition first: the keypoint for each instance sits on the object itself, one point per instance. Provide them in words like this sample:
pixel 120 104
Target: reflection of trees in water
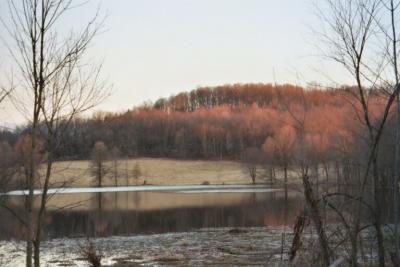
pixel 99 202
pixel 136 199
pixel 257 209
pixel 106 217
pixel 283 209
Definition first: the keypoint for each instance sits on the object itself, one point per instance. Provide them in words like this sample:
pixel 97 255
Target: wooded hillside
pixel 220 122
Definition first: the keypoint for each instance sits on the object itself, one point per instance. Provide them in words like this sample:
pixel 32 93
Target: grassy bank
pixel 153 171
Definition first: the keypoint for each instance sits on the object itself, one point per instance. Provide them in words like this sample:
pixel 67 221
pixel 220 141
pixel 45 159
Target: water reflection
pixel 126 213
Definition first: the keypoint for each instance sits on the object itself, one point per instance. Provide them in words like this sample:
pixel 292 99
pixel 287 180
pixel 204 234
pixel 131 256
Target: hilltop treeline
pixel 205 123
pixel 218 122
pixel 243 95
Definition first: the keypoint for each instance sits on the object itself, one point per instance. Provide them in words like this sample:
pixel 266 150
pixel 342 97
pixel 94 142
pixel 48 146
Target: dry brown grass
pixel 154 171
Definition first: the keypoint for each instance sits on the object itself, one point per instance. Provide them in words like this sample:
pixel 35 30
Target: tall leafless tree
pixel 252 157
pixel 136 173
pixel 99 157
pixel 298 121
pixel 55 85
pixel 361 36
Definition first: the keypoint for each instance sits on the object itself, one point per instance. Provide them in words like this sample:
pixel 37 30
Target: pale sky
pixel 155 48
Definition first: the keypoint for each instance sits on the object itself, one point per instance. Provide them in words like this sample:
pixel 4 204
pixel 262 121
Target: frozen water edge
pixel 142 188
pixel 207 246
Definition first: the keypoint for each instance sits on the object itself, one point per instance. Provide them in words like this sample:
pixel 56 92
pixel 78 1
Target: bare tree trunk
pixel 397 139
pixel 317 177
pixel 396 182
pixel 115 175
pixel 271 170
pixel 285 181
pixel 354 249
pixel 38 92
pixel 300 224
pixel 378 215
pixel 99 173
pixel 317 220
pixel 338 176
pixel 326 169
pixel 42 210
pixel 29 204
pixel 57 90
pixel 126 172
pixel 33 167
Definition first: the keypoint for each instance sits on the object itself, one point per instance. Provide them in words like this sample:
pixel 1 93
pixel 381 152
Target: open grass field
pixel 153 171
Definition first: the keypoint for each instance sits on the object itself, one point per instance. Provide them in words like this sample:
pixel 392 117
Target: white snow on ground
pixel 207 246
pixel 255 246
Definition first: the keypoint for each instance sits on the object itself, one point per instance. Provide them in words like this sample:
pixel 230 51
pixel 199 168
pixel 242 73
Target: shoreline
pixel 233 188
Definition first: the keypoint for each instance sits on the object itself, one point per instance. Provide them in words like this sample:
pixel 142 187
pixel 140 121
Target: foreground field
pixel 209 247
pixel 153 171
pixel 253 246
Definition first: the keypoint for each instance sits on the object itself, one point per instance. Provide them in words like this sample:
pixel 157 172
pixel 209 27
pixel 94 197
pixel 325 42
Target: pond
pixel 102 212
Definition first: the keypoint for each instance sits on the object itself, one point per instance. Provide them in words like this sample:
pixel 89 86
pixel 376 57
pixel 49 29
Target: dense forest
pixel 222 122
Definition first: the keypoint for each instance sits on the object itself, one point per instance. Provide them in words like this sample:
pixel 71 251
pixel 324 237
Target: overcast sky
pixel 155 48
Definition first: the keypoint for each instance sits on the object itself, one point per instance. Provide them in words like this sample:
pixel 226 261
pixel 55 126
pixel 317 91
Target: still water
pixel 85 213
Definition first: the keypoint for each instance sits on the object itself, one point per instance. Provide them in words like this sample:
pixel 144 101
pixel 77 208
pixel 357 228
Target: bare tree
pixel 99 158
pixel 393 7
pixel 70 93
pixel 55 86
pixel 115 156
pixel 8 169
pixel 252 158
pixel 361 36
pixel 6 154
pixel 297 120
pixel 136 172
pixel 280 147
